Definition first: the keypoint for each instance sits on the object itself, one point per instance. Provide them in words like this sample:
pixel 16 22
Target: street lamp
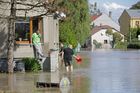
pixel 130 36
pixel 59 15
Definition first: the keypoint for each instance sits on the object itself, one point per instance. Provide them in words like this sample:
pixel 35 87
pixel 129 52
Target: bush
pixel 134 45
pixel 31 64
pixel 121 45
pixel 97 45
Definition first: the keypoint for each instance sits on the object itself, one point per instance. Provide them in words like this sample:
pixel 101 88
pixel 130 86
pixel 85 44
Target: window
pixel 25 27
pixel 137 23
pixel 105 42
pixel 22 30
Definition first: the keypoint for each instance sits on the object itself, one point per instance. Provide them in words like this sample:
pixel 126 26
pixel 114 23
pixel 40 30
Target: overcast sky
pixel 116 6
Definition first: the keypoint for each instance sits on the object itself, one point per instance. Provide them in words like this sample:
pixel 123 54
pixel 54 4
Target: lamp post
pixel 130 36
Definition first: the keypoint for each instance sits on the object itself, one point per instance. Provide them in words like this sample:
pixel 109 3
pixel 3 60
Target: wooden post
pixel 31 29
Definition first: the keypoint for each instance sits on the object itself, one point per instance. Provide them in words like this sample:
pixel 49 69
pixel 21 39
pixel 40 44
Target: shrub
pixel 134 45
pixel 31 64
pixel 121 45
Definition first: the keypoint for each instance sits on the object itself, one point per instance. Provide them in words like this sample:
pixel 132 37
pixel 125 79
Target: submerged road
pixel 101 71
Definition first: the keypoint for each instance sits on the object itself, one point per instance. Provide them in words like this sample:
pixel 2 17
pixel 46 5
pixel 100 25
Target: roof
pixel 104 19
pixel 133 13
pixel 98 28
pixel 94 17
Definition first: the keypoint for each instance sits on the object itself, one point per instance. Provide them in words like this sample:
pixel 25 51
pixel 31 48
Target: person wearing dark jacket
pixel 68 53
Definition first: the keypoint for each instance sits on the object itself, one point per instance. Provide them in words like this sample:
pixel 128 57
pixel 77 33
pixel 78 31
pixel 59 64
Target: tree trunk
pixel 11 37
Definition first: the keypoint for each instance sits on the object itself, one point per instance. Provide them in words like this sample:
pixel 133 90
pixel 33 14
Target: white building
pixel 99 35
pixel 104 19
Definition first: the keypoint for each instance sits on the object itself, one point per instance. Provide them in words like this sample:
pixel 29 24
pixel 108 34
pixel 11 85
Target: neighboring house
pixel 129 19
pixel 99 35
pixel 100 23
pixel 103 19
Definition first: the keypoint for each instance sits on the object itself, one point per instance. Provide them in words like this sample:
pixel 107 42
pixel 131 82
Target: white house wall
pixel 100 36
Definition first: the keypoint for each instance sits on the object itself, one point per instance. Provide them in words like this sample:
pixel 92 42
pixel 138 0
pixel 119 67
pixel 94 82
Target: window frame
pixel 31 27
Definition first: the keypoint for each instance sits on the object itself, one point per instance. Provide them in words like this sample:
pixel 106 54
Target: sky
pixel 115 6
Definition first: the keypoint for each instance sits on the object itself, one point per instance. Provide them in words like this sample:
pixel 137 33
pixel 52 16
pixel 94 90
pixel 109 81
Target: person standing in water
pixel 68 53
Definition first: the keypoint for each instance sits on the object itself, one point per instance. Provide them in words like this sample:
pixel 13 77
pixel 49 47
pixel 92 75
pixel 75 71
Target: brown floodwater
pixel 101 71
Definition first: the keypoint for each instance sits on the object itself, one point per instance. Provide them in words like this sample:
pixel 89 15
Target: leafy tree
pixel 121 45
pixel 75 28
pixel 109 32
pixel 97 45
pixel 116 37
pixel 136 6
pixel 133 35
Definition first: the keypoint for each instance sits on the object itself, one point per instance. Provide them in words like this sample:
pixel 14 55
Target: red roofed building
pixel 94 17
pixel 99 35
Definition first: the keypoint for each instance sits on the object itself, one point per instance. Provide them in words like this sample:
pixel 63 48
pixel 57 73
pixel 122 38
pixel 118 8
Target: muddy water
pixel 115 71
pixel 101 71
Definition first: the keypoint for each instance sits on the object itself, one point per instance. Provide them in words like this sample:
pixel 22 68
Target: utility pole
pixel 11 36
pixel 130 36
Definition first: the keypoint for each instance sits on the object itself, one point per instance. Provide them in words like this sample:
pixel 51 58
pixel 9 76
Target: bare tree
pixel 11 38
pixel 43 7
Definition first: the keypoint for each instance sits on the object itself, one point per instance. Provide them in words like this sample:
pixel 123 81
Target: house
pixel 101 22
pixel 130 18
pixel 104 19
pixel 99 36
pixel 25 24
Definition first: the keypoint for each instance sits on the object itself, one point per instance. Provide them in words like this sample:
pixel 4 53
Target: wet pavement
pixel 101 71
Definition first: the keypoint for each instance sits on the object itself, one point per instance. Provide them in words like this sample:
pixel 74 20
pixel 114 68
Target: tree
pixel 109 32
pixel 11 38
pixel 46 7
pixel 116 36
pixel 136 6
pixel 75 28
pixel 133 35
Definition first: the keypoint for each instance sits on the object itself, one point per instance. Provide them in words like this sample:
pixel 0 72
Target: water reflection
pixel 26 82
pixel 115 72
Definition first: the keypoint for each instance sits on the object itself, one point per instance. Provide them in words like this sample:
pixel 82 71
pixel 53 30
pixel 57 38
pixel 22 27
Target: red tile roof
pixel 94 17
pixel 98 28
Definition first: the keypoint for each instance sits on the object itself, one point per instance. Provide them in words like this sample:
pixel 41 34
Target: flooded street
pixel 115 72
pixel 101 71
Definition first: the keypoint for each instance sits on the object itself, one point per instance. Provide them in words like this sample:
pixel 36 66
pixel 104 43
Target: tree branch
pixel 1 1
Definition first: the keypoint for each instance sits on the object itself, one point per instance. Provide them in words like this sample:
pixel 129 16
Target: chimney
pixel 100 24
pixel 110 13
pixel 95 6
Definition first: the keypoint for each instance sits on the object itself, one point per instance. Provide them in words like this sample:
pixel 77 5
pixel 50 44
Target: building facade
pixel 129 19
pixel 100 36
pixel 25 24
pixel 100 24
